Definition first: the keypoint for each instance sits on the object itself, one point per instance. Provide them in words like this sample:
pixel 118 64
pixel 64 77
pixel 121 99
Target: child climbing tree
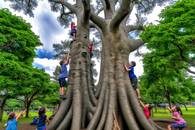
pixel 88 109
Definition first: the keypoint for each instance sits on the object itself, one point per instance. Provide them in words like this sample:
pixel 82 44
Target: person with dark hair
pixel 179 122
pixel 73 30
pixel 90 49
pixel 12 123
pixel 63 75
pixel 147 108
pixel 133 77
pixel 42 119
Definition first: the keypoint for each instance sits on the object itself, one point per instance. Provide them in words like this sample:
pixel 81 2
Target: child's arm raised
pixel 67 60
pixel 142 104
pixel 169 109
pixel 20 114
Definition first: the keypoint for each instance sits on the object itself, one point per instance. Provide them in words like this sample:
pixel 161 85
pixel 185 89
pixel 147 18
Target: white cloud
pixel 49 65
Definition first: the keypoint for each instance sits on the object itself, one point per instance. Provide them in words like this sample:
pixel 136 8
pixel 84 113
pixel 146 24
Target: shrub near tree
pixel 172 48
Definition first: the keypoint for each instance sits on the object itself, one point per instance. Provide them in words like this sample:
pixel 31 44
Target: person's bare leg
pixel 138 93
pixel 169 127
pixel 62 90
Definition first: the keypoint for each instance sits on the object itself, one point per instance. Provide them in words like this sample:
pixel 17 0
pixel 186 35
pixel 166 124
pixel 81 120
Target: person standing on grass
pixel 133 77
pixel 63 75
pixel 12 122
pixel 42 119
pixel 179 122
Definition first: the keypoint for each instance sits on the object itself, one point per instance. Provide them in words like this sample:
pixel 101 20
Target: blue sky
pixel 46 26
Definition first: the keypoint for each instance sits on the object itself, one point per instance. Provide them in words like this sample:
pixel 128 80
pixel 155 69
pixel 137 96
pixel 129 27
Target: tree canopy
pixel 16 37
pixel 171 51
pixel 18 78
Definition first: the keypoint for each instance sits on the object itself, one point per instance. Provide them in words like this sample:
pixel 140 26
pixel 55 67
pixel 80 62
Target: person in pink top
pixel 179 122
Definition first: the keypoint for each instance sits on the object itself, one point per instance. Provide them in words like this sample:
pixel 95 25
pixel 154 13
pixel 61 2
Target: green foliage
pixel 171 44
pixel 16 37
pixel 18 79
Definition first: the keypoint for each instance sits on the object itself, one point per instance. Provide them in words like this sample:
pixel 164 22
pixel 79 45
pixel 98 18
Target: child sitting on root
pixel 179 122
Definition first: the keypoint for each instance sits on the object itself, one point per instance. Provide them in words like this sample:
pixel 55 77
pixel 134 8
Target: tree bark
pixel 114 95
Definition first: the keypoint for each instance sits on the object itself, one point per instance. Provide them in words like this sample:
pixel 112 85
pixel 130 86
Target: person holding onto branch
pixel 133 77
pixel 147 109
pixel 73 30
pixel 12 122
pixel 90 49
pixel 63 75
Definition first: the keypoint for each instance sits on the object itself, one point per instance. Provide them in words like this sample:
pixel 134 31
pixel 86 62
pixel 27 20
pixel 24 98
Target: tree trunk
pixel 82 110
pixel 114 103
pixel 2 104
pixel 185 107
pixel 27 104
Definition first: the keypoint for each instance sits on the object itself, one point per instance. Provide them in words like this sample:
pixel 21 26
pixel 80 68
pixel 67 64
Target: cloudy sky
pixel 45 25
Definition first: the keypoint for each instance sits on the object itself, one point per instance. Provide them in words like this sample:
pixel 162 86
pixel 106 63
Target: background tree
pixel 34 87
pixel 171 46
pixel 17 76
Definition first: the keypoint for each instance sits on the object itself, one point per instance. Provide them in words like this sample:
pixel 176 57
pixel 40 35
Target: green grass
pixel 189 115
pixel 23 119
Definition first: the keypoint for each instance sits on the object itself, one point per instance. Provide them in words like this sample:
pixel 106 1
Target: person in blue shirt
pixel 133 77
pixel 63 75
pixel 42 119
pixel 12 122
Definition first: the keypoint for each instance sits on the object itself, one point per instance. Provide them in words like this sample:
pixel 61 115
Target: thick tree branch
pixel 125 8
pixel 135 44
pixel 131 28
pixel 188 60
pixel 190 71
pixel 99 10
pixel 106 4
pixel 71 7
pixel 100 22
pixel 86 5
pixel 92 25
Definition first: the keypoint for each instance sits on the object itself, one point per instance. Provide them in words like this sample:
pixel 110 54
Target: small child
pixel 133 77
pixel 90 49
pixel 63 75
pixel 177 117
pixel 12 123
pixel 42 119
pixel 147 109
pixel 73 30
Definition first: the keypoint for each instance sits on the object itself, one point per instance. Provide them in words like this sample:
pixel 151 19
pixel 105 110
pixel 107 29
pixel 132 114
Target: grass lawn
pixel 23 119
pixel 189 115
